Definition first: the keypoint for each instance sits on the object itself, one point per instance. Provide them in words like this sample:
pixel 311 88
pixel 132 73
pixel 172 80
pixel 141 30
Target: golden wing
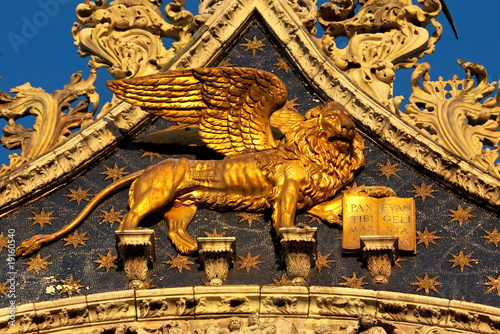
pixel 231 106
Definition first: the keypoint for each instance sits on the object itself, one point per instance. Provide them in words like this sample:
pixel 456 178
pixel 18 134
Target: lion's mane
pixel 329 170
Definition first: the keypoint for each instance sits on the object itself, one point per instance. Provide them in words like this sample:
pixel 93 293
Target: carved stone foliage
pixel 55 118
pixel 383 37
pixel 126 35
pixel 339 306
pixel 452 113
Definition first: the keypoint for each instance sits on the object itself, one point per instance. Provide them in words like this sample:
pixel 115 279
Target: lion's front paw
pixel 372 191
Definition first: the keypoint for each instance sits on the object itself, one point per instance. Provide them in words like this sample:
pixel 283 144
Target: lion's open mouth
pixel 342 144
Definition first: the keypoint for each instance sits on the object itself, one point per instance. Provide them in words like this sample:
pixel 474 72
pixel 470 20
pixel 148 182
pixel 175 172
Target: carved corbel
pixel 136 249
pixel 379 253
pixel 298 248
pixel 217 255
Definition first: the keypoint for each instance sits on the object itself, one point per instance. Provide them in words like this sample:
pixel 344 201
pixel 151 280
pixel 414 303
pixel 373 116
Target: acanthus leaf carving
pixel 281 304
pixel 383 37
pixel 451 113
pixel 73 316
pixel 234 304
pixel 110 311
pixel 55 118
pixel 465 320
pixel 126 35
pixel 153 308
pixel 393 310
pixel 428 315
pixel 340 306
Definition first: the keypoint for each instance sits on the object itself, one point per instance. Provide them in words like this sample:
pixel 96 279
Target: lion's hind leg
pixel 178 219
pixel 154 189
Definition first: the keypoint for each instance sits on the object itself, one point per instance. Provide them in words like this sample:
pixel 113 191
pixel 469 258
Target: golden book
pixel 386 216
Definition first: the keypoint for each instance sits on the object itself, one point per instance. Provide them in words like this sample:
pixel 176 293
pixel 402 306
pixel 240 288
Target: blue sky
pixel 36 45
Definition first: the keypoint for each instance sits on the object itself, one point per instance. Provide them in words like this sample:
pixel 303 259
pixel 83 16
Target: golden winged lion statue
pixel 318 154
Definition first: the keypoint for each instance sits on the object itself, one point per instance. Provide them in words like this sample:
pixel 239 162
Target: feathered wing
pixel 231 106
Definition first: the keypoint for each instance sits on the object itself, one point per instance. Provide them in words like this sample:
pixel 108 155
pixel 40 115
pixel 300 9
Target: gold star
pixel 423 191
pixel 282 65
pixel 387 170
pixel 495 284
pixel 426 284
pixel 282 281
pixel 214 234
pixel 396 262
pixel 461 260
pixel 42 218
pixel 353 282
pixel 180 262
pixel 75 239
pixel 111 216
pixel 461 215
pixel 4 288
pixel 322 261
pixel 250 217
pixel 254 45
pixel 107 261
pixel 150 155
pixel 37 263
pixel 70 286
pixel 225 63
pixel 114 173
pixel 493 237
pixel 427 237
pixel 4 241
pixel 248 262
pixel 78 195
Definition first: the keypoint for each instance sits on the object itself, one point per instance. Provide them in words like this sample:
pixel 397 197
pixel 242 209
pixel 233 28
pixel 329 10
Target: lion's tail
pixel 33 244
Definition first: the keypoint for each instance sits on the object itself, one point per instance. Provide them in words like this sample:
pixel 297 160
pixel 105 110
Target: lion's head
pixel 329 146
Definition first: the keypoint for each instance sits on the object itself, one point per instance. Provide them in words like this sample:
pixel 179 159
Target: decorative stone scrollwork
pixel 383 37
pixel 428 315
pixel 283 304
pixel 452 114
pixel 339 306
pixel 73 316
pixel 126 35
pixel 55 118
pixel 465 320
pixel 111 311
pixel 153 308
pixel 394 310
pixel 185 306
pixel 307 11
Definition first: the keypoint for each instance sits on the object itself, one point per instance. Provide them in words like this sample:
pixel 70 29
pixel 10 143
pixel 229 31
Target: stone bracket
pixel 217 255
pixel 379 253
pixel 136 249
pixel 298 249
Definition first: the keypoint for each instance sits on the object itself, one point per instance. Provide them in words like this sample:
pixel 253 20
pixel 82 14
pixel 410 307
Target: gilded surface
pixel 55 118
pixel 452 113
pixel 233 107
pixel 474 231
pixel 125 36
